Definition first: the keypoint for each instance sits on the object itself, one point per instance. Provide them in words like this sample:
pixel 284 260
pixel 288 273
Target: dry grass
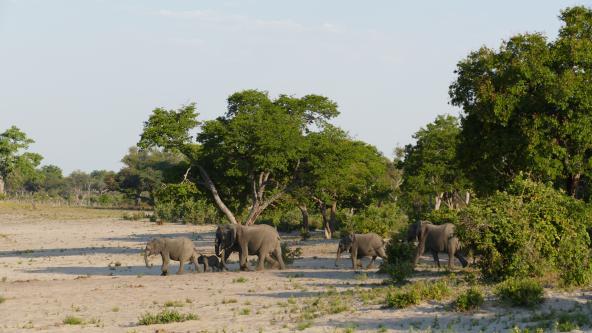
pixel 47 211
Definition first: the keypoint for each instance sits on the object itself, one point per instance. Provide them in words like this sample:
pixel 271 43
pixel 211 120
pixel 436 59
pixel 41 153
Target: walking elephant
pixel 261 240
pixel 360 246
pixel 435 239
pixel 179 249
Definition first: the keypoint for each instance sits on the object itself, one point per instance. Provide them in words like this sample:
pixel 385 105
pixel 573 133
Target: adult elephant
pixel 261 240
pixel 436 239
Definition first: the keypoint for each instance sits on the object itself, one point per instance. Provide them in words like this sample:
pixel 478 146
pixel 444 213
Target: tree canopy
pixel 527 107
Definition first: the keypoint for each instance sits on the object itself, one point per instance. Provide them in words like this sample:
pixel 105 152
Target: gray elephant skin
pixel 360 246
pixel 261 240
pixel 179 249
pixel 210 262
pixel 435 239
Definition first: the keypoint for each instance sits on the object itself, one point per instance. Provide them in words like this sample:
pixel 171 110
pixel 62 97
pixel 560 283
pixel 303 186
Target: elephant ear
pixel 352 237
pixel 230 237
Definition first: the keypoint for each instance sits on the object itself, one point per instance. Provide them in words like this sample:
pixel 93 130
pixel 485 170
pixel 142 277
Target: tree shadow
pixel 108 271
pixel 65 252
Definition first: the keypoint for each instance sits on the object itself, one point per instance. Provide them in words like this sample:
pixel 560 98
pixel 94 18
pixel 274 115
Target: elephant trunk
pixel 217 247
pixel 146 259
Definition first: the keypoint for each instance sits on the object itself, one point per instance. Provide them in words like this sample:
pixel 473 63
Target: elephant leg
pixel 165 264
pixel 436 259
pixel 354 258
pixel 243 255
pixel 181 268
pixel 277 253
pixel 462 259
pixel 261 261
pixel 371 264
pixel 195 263
pixel 270 259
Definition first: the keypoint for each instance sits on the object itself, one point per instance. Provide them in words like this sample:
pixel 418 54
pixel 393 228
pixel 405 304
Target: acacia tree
pixel 12 143
pixel 342 171
pixel 431 173
pixel 528 108
pixel 248 158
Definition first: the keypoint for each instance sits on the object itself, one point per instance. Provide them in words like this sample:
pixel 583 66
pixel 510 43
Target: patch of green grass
pixel 521 292
pixel 240 280
pixel 174 304
pixel 115 309
pixel 301 326
pixel 470 300
pixel 72 320
pixel 244 311
pixel 229 301
pixel 165 317
pixel 415 293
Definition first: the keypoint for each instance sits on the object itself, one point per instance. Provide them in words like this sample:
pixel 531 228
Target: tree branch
pixel 210 185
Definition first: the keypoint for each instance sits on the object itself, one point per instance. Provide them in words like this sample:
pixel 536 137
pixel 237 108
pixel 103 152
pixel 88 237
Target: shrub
pixel 71 320
pixel 520 292
pixel 403 299
pixel 288 254
pixel 529 231
pixel 165 317
pixel 470 300
pixel 383 220
pixel 400 256
pixel 415 293
pixel 184 203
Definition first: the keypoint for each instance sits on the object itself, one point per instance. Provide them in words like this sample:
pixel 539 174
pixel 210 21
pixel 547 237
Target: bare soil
pixel 56 263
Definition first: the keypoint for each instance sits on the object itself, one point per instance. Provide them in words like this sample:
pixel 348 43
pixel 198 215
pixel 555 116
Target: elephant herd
pixel 264 242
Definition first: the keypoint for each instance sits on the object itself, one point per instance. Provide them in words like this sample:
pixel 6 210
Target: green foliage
pixel 184 203
pixel 400 256
pixel 527 108
pixel 470 300
pixel 418 292
pixel 430 167
pixel 289 254
pixel 521 292
pixel 72 320
pixel 530 230
pixel 382 220
pixel 165 317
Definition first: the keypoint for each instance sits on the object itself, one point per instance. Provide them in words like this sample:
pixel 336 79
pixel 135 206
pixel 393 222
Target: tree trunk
pixel 467 197
pixel 573 184
pixel 326 227
pixel 304 212
pixel 210 185
pixel 438 200
pixel 1 185
pixel 332 219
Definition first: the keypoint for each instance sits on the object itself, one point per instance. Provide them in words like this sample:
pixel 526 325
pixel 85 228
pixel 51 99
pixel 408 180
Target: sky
pixel 80 77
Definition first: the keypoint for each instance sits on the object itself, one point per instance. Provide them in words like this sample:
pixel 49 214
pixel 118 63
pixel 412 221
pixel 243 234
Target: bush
pixel 288 254
pixel 382 220
pixel 521 292
pixel 165 317
pixel 71 320
pixel 415 293
pixel 529 231
pixel 400 256
pixel 184 203
pixel 470 300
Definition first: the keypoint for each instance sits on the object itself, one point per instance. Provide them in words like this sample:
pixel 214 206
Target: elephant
pixel 179 249
pixel 361 245
pixel 210 261
pixel 435 239
pixel 261 240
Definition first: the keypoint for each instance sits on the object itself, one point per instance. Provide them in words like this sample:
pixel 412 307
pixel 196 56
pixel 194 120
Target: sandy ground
pixel 93 269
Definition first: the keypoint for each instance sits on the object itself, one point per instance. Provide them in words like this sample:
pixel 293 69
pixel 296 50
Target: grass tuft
pixel 165 317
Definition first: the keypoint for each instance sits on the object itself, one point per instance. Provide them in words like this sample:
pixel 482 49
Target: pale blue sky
pixel 80 77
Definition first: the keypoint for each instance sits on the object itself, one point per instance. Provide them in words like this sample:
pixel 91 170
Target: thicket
pixel 529 230
pixel 184 203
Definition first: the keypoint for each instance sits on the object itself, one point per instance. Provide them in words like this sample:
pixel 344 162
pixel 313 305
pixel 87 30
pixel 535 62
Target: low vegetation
pixel 72 320
pixel 521 292
pixel 415 293
pixel 165 317
pixel 470 300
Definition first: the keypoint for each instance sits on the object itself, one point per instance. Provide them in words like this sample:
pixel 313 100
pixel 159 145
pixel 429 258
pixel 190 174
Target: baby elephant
pixel 179 249
pixel 210 261
pixel 361 245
